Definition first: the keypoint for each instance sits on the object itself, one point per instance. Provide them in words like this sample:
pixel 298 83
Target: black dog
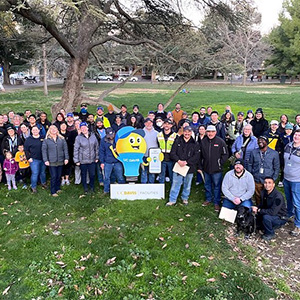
pixel 245 221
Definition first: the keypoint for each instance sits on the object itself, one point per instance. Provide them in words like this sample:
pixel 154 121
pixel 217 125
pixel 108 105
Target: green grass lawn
pixel 74 247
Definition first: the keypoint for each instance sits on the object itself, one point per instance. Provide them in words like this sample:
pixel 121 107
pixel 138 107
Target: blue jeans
pixel 91 168
pixel 229 204
pixel 164 166
pixel 38 170
pixel 212 187
pixel 146 177
pixel 178 180
pixel 292 194
pixel 108 169
pixel 99 172
pixel 270 223
pixel 55 173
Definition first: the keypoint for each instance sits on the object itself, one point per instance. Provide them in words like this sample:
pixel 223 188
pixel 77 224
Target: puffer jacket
pixel 55 151
pixel 86 149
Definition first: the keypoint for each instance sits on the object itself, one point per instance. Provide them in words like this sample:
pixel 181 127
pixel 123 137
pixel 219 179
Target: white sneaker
pixel 197 183
pixel 167 179
pixel 280 184
pixel 67 182
pixel 63 182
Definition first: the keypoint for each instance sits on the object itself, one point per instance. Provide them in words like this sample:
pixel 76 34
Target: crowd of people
pixel 80 144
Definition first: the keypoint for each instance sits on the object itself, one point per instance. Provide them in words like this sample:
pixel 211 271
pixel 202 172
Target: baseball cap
pixel 240 113
pixel 187 128
pixel 83 124
pixel 211 128
pixel 109 132
pixel 147 120
pixel 169 121
pixel 70 115
pixel 274 122
pixel 100 107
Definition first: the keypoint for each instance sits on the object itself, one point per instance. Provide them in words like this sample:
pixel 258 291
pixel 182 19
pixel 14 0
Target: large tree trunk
pixel 6 72
pixel 71 97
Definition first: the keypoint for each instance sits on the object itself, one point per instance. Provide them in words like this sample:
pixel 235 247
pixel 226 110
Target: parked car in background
pixel 123 77
pixel 169 78
pixel 31 79
pixel 104 77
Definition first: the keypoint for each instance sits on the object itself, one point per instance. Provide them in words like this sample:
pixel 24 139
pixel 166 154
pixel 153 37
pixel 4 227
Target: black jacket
pixel 214 154
pixel 9 145
pixel 259 127
pixel 272 204
pixel 188 151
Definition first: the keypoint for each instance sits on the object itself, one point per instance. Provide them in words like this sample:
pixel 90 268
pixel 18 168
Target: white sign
pixel 137 191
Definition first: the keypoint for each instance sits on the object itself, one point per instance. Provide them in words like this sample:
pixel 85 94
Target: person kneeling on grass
pixel 238 187
pixel 272 212
pixel 185 152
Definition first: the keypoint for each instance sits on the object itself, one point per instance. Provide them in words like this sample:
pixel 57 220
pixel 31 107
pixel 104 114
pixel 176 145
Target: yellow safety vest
pixel 106 122
pixel 166 147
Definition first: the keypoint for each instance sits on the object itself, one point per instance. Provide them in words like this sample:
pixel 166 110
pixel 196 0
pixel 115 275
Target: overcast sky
pixel 269 10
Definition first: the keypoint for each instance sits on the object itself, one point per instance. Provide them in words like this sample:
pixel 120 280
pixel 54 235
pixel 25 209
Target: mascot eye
pixel 138 140
pixel 132 140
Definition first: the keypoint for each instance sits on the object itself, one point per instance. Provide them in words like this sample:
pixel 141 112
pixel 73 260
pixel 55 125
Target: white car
pixel 123 77
pixel 169 78
pixel 104 77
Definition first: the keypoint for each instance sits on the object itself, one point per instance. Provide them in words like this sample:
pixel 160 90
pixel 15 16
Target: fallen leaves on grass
pixel 161 238
pixel 195 264
pixel 61 264
pixel 164 246
pixel 6 291
pixel 110 261
pixel 211 279
pixel 187 246
pixel 139 275
pixel 224 275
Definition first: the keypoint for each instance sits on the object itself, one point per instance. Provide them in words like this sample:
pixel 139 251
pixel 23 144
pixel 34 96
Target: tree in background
pixel 235 47
pixel 285 41
pixel 15 48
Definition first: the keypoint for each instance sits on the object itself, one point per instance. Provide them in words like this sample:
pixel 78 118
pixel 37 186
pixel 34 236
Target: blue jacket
pixel 262 168
pixel 237 145
pixel 105 154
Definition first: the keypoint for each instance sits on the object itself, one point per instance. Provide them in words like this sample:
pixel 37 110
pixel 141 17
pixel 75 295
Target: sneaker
pixel 280 184
pixel 197 182
pixel 15 188
pixel 9 188
pixel 58 191
pixel 33 190
pixel 54 195
pixel 295 231
pixel 67 182
pixel 167 179
pixel 268 237
pixel 170 203
pixel 206 203
pixel 44 186
pixel 217 208
pixel 24 187
pixel 185 202
pixel 63 182
pixel 101 183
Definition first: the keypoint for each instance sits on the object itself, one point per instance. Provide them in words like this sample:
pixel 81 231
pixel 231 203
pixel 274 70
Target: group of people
pixel 260 154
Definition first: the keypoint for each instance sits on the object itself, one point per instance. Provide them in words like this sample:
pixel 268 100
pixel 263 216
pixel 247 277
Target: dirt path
pixel 278 261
